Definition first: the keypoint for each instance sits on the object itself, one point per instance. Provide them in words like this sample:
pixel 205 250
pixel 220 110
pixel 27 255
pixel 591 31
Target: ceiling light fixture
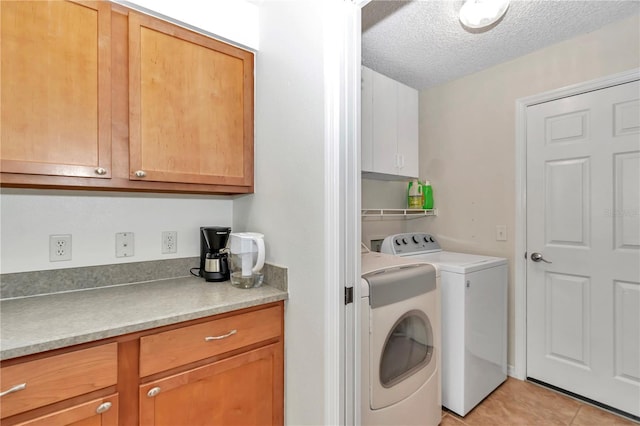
pixel 482 13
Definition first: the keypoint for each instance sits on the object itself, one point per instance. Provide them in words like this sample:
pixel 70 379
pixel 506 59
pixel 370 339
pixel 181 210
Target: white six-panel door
pixel 583 216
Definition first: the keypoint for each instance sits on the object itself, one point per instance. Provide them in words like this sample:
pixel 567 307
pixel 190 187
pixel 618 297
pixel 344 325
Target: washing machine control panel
pixel 410 243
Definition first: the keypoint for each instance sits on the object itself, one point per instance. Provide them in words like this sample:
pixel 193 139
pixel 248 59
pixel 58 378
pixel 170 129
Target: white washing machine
pixel 474 318
pixel 400 347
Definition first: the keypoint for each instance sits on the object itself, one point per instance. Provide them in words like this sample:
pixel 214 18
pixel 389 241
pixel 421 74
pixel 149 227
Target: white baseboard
pixel 511 371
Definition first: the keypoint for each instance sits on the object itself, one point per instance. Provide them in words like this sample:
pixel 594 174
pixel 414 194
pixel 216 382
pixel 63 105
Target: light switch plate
pixel 501 232
pixel 124 244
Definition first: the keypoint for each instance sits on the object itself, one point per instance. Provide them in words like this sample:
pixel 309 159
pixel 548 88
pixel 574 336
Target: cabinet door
pixel 191 106
pixel 408 130
pixel 385 141
pixel 366 121
pixel 245 389
pixel 55 97
pixel 99 412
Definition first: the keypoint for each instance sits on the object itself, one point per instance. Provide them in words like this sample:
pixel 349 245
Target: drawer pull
pixel 153 392
pixel 16 388
pixel 224 336
pixel 104 407
pixel 140 173
pixel 101 171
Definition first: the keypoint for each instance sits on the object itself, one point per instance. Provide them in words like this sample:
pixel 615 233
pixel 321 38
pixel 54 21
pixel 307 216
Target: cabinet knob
pixel 140 173
pixel 153 392
pixel 13 389
pixel 103 407
pixel 101 171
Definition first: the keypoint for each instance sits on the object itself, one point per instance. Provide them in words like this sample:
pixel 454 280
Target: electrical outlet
pixel 59 247
pixel 169 242
pixel 124 244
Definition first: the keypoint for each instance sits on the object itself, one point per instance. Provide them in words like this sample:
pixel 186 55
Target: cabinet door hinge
pixel 348 295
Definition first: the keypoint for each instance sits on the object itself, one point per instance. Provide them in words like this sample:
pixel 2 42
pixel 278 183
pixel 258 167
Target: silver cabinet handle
pixel 16 388
pixel 101 171
pixel 224 336
pixel 537 257
pixel 140 173
pixel 153 392
pixel 103 407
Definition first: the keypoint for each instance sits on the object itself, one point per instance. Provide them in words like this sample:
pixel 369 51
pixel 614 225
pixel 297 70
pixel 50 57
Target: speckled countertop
pixel 39 323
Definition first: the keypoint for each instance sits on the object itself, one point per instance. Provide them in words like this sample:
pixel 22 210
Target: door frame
pixel 341 48
pixel 519 370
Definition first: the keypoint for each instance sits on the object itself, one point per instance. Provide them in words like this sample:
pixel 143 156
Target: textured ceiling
pixel 422 43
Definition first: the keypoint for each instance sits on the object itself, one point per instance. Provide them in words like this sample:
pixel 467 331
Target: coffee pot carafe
pixel 247 259
pixel 214 261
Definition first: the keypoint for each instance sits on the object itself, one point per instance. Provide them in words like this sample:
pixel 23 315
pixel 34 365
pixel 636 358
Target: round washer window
pixel 408 348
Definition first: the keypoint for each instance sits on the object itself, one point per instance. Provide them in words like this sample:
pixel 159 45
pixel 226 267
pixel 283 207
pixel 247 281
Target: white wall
pixel 289 177
pixel 467 133
pixel 93 218
pixel 235 21
pixel 378 194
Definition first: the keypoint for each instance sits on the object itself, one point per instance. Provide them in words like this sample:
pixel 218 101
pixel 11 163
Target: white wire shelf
pixel 398 213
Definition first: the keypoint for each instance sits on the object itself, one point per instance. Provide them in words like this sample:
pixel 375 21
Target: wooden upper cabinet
pixel 190 106
pixel 55 97
pixel 92 89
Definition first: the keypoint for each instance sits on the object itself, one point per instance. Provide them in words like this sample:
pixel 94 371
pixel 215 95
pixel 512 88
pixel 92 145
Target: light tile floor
pixel 522 403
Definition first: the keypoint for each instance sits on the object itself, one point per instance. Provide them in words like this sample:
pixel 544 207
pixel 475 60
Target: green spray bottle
pixel 427 193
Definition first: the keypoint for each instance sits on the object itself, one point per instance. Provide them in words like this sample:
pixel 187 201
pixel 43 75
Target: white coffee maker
pixel 247 259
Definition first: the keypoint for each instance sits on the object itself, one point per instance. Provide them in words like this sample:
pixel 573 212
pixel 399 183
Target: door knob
pixel 537 257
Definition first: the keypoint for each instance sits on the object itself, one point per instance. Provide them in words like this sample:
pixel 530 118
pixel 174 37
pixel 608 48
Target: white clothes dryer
pixel 474 317
pixel 400 347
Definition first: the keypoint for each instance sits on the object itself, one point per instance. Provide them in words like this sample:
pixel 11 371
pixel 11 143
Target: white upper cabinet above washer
pixel 389 127
pixel 407 125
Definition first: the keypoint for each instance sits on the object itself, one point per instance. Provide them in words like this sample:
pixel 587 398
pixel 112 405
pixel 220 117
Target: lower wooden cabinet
pixel 223 370
pixel 99 412
pixel 33 384
pixel 241 390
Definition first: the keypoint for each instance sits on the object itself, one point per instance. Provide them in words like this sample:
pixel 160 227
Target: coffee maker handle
pixel 260 260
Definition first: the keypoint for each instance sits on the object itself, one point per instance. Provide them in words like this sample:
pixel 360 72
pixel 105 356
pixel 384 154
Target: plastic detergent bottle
pixel 414 200
pixel 427 193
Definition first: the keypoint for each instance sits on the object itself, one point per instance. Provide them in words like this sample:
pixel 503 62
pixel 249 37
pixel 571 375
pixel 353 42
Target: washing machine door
pixel 402 344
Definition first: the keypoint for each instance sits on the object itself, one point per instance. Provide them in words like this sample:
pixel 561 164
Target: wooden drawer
pixel 174 348
pixel 58 378
pixel 99 412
